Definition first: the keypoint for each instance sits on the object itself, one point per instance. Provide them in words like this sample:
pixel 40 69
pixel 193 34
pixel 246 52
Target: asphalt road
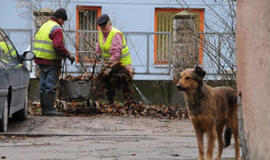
pixel 100 138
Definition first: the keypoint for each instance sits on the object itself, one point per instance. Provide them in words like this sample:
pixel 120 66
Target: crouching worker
pixel 49 47
pixel 112 47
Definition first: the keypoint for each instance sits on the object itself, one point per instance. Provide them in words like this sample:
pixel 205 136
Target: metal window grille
pixel 86 41
pixel 164 24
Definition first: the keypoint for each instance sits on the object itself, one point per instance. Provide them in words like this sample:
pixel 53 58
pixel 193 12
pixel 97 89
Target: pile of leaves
pixel 133 109
pixel 115 74
pixel 84 77
pixel 112 73
pixel 141 110
pixel 118 76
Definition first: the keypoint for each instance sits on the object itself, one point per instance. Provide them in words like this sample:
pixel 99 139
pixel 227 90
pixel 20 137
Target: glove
pixel 71 58
pixel 131 72
pixel 98 57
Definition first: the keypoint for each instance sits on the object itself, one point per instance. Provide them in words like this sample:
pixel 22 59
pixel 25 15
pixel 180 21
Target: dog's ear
pixel 200 71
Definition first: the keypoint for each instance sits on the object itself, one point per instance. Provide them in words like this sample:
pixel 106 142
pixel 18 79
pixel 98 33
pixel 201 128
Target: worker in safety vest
pixel 112 47
pixel 49 47
pixel 7 49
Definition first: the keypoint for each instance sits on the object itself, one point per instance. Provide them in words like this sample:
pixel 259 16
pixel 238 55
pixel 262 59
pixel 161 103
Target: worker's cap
pixel 103 20
pixel 60 13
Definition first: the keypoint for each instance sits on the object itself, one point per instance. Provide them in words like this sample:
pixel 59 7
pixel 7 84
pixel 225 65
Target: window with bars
pixel 164 23
pixel 86 36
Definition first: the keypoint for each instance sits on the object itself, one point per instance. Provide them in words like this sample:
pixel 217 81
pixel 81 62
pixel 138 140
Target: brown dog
pixel 210 109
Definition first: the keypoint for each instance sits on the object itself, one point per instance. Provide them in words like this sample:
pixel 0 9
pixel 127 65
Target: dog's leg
pixel 220 141
pixel 211 136
pixel 234 124
pixel 199 135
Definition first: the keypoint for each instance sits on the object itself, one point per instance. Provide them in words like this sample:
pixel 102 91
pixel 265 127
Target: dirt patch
pixel 103 137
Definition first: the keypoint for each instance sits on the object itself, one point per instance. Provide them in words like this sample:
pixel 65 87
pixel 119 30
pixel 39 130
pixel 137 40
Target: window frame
pixel 10 46
pixel 200 11
pixel 78 9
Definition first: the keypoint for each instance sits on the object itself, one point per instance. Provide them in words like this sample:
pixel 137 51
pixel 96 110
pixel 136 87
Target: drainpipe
pixel 242 134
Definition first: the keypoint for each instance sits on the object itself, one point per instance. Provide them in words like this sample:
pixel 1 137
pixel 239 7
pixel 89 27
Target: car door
pixel 3 84
pixel 4 77
pixel 15 70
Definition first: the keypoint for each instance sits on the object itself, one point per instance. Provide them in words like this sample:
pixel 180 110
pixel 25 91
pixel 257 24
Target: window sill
pixel 161 65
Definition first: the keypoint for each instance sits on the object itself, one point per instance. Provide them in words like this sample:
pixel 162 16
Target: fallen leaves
pixel 119 77
pixel 84 77
pixel 7 138
pixel 135 109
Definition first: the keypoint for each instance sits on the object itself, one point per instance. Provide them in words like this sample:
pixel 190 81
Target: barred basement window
pixel 164 23
pixel 86 37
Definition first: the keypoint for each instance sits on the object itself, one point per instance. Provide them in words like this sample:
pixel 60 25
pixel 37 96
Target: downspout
pixel 242 134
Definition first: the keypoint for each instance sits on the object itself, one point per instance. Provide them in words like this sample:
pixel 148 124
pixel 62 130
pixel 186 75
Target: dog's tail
pixel 227 136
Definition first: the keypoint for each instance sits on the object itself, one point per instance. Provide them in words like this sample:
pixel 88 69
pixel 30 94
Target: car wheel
pixel 22 114
pixel 4 120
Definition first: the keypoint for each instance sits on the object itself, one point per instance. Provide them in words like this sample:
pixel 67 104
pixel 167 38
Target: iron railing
pixel 218 50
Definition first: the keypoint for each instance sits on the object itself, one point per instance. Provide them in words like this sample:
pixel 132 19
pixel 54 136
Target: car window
pixel 7 50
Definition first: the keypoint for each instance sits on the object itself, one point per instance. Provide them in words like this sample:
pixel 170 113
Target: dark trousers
pixel 49 78
pixel 110 91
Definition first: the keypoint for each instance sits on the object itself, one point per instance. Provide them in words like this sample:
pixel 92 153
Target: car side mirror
pixel 28 56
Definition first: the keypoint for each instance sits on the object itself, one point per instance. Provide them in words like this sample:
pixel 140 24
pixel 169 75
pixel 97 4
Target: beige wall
pixel 253 76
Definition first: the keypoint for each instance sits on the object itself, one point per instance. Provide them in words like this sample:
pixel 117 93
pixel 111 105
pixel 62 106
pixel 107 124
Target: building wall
pixel 253 66
pixel 154 92
pixel 10 16
pixel 129 15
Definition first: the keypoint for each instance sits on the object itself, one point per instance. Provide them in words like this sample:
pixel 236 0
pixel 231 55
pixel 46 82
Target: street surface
pixel 101 137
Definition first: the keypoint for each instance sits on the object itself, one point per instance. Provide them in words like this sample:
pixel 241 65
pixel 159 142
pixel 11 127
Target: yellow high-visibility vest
pixel 7 49
pixel 42 45
pixel 106 46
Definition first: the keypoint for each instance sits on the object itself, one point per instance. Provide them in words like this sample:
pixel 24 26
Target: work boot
pixel 41 101
pixel 47 107
pixel 111 101
pixel 110 93
pixel 128 93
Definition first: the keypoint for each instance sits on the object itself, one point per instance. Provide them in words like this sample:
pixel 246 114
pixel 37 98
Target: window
pixel 164 23
pixel 86 38
pixel 7 50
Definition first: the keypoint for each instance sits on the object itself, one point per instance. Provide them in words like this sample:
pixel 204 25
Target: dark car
pixel 14 82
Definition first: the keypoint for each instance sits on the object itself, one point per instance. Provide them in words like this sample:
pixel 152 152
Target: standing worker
pixel 49 47
pixel 112 47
